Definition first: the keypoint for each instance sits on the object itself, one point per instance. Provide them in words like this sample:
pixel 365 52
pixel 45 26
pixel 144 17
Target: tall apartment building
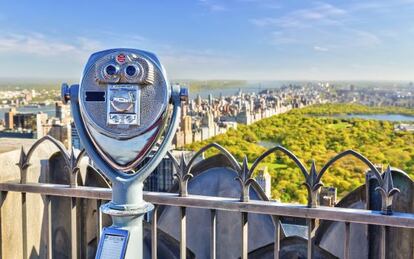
pixel 62 112
pixel 186 126
pixel 41 120
pixel 162 178
pixel 264 179
pixel 76 143
pixel 8 119
pixel 327 196
pixel 25 121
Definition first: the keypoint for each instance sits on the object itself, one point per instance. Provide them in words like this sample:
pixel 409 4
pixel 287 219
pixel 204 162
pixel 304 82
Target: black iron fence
pixel 384 218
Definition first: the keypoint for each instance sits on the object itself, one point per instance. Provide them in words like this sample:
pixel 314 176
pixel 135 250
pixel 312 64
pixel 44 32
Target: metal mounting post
pixel 127 207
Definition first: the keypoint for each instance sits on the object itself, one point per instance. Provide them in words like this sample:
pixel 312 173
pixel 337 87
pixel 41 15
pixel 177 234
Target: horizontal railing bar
pixel 59 190
pixel 228 204
pixel 284 209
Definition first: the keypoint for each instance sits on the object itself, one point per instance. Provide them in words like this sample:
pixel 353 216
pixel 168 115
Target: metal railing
pixel 384 218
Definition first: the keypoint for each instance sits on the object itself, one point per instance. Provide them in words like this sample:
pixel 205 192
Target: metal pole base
pixel 127 228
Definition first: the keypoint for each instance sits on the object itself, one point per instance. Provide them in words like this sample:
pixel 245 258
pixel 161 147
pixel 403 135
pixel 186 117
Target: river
pixel 250 87
pixel 49 109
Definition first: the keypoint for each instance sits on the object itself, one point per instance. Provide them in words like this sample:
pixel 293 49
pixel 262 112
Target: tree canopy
pixel 315 134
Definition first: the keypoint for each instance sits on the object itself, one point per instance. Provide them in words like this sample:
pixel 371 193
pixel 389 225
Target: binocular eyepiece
pixel 125 68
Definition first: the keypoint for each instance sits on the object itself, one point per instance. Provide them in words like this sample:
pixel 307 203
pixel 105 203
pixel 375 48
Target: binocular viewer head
pixel 121 109
pixel 124 98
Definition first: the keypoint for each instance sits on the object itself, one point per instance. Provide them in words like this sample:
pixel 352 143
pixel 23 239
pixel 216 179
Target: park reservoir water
pixel 380 117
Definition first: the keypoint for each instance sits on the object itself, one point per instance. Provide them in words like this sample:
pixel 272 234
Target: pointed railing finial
pixel 23 164
pixel 73 168
pixel 72 158
pixel 387 192
pixel 183 176
pixel 245 180
pixel 312 185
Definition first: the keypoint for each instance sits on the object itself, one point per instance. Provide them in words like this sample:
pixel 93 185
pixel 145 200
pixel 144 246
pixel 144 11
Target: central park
pixel 317 133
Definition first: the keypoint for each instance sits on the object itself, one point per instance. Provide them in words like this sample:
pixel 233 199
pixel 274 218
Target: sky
pixel 210 39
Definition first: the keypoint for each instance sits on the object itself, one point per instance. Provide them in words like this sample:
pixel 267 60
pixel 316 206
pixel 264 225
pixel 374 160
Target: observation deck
pixel 50 199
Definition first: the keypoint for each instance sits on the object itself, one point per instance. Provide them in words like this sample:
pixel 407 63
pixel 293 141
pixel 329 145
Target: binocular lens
pixel 110 70
pixel 131 70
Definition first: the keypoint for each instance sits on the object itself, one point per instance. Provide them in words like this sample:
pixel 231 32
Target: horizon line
pixel 52 79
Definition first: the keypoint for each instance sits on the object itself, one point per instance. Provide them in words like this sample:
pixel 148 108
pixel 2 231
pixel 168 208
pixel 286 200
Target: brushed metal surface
pixel 119 142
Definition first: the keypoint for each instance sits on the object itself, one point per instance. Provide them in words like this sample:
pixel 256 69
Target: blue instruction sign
pixel 113 244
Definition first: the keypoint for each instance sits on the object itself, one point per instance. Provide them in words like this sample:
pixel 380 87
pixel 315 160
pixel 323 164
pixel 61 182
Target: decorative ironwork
pixel 313 184
pixel 24 160
pixel 235 164
pixel 183 168
pixel 387 192
pixel 23 164
pixel 313 178
pixel 355 154
pixel 284 151
pixel 59 145
pixel 182 174
pixel 245 180
pixel 386 185
pixel 73 167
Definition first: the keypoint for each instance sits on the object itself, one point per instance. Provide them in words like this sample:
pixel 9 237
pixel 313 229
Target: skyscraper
pixel 59 110
pixel 62 112
pixel 41 121
pixel 264 179
pixel 76 143
pixel 8 119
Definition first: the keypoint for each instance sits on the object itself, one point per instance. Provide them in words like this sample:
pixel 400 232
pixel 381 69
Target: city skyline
pixel 206 39
pixel 284 129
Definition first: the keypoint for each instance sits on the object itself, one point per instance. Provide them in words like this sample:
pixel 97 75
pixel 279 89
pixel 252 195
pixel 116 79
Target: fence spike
pixel 387 192
pixel 312 185
pixel 245 180
pixel 183 176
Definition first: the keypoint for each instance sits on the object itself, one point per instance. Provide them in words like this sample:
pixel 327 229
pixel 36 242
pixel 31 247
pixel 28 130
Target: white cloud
pixel 379 6
pixel 281 38
pixel 320 49
pixel 266 4
pixel 366 39
pixel 195 57
pixel 264 21
pixel 197 63
pixel 321 13
pixel 39 45
pixel 212 6
pixel 36 47
pixel 321 25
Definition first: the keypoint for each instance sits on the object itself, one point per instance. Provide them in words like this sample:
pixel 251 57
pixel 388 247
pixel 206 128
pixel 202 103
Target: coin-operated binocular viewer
pixel 123 107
